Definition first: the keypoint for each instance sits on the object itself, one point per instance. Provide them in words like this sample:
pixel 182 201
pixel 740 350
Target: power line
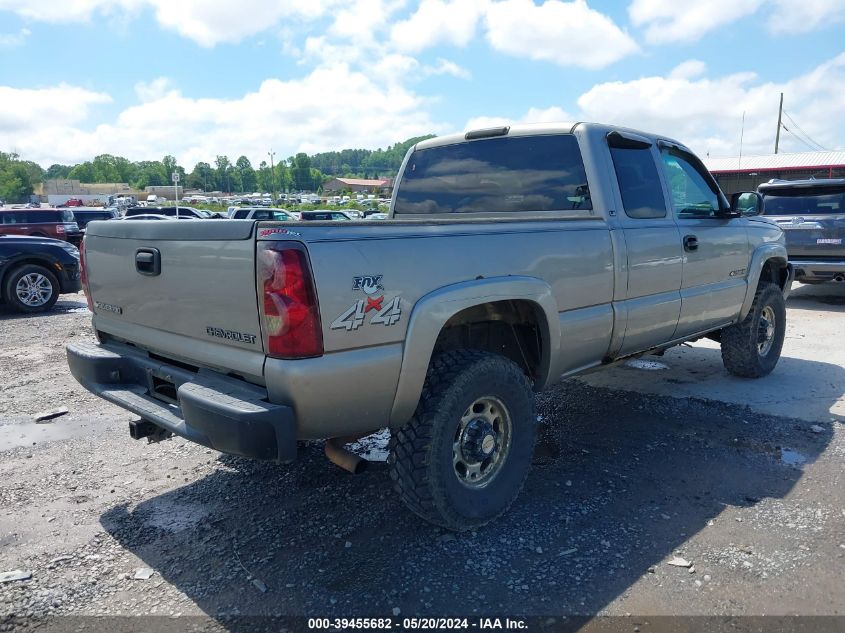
pixel 812 147
pixel 809 138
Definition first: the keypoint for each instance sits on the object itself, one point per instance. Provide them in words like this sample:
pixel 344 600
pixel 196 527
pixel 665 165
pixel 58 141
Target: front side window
pixel 520 174
pixel 639 182
pixel 692 195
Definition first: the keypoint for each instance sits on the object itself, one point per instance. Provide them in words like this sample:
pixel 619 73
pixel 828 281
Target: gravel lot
pixel 626 478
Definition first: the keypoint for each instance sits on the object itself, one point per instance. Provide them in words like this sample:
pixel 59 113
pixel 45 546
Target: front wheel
pixel 462 459
pixel 751 349
pixel 31 288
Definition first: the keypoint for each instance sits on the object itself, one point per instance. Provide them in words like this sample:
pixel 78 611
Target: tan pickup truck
pixel 512 258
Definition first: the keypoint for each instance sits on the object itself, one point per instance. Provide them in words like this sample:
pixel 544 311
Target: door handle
pixel 148 261
pixel 690 243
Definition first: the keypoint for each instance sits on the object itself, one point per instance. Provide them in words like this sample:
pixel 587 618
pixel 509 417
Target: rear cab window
pixel 505 175
pixel 795 201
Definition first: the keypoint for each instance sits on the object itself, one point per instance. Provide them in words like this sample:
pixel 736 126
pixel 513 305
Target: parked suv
pixel 84 216
pixel 56 223
pixel 35 270
pixel 812 215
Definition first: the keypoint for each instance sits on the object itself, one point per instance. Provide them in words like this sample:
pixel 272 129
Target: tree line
pixel 301 172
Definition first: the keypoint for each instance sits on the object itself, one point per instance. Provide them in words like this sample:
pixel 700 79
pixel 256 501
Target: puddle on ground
pixel 650 365
pixel 26 433
pixel 792 458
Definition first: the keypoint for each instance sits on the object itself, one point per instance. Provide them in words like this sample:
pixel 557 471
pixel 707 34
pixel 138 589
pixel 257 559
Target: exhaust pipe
pixel 347 460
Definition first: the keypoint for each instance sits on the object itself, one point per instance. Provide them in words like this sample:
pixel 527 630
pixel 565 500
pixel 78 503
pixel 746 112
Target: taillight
pixel 290 316
pixel 83 276
pixel 60 229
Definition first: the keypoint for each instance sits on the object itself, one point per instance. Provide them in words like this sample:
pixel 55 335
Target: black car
pixel 200 214
pixel 812 215
pixel 34 271
pixel 84 216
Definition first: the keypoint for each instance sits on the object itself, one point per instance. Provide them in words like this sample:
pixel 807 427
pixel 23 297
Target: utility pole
pixel 780 114
pixel 271 154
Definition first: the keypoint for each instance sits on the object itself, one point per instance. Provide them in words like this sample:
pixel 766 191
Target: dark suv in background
pixel 85 215
pixel 56 223
pixel 812 216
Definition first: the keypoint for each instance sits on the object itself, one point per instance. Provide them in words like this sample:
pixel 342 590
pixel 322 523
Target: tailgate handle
pixel 148 261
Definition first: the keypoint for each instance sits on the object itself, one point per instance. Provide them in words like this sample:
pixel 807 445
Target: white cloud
pixel 438 22
pixel 553 114
pixel 206 22
pixel 330 108
pixel 687 21
pixel 689 69
pixel 24 110
pixel 706 113
pixel 153 90
pixel 566 33
pixel 801 16
pixel 11 40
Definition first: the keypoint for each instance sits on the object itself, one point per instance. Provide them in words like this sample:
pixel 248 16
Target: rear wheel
pixel 31 288
pixel 751 349
pixel 464 456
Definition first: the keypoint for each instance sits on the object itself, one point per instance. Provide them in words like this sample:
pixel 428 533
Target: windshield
pixel 804 201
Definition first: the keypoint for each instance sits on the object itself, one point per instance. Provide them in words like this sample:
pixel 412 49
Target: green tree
pixel 202 177
pixel 57 171
pixel 248 179
pixel 264 177
pixel 15 180
pixel 84 172
pixel 301 173
pixel 224 168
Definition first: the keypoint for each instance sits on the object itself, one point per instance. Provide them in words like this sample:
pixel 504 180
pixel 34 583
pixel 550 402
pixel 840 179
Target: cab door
pixel 654 255
pixel 716 251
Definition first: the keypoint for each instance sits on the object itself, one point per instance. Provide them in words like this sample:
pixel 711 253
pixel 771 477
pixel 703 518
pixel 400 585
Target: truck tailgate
pixel 181 287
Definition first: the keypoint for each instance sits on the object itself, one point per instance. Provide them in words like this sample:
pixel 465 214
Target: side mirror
pixel 746 203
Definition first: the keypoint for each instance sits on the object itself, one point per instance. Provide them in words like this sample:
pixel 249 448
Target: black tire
pixel 744 352
pixel 10 288
pixel 423 453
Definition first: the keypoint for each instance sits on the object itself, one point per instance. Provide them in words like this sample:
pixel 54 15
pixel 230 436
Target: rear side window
pixel 804 201
pixel 636 173
pixel 241 214
pixel 502 175
pixel 43 217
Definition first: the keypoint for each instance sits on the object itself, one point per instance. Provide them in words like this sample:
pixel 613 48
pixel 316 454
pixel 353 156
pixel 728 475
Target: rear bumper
pixel 817 270
pixel 205 407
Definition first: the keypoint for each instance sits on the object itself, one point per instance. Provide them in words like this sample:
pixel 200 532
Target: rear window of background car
pixel 517 174
pixel 804 201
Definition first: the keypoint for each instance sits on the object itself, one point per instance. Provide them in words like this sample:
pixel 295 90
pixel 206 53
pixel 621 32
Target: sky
pixel 198 78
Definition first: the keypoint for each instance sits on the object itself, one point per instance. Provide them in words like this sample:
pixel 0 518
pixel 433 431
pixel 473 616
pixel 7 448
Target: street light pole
pixel 271 154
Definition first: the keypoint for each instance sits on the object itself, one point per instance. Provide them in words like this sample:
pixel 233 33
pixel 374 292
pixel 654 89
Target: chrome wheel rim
pixel 766 331
pixel 482 442
pixel 34 290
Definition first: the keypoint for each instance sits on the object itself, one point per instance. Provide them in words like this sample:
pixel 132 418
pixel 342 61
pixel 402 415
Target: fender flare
pixel 433 310
pixel 762 254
